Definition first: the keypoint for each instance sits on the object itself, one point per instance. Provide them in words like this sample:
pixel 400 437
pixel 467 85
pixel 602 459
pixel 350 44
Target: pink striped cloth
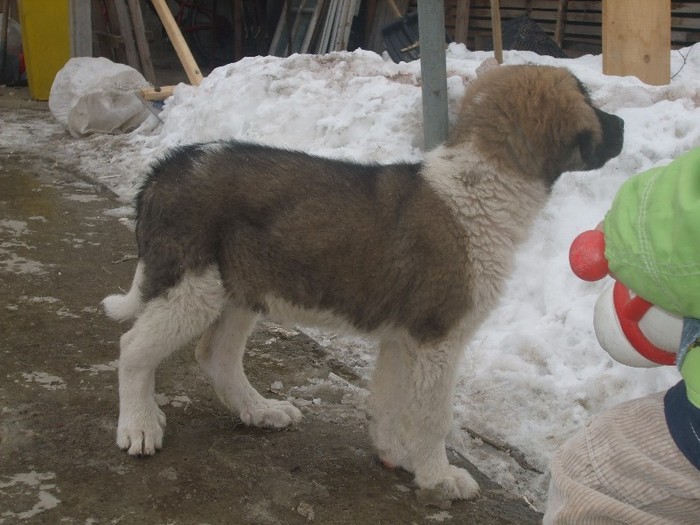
pixel 624 467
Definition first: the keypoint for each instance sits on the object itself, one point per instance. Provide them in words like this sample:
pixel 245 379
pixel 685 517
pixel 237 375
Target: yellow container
pixel 45 41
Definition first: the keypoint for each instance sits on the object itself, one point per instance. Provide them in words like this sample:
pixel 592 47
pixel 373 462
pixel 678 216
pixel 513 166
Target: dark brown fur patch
pixel 372 244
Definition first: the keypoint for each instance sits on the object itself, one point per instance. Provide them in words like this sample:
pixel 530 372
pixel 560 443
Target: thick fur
pixel 412 255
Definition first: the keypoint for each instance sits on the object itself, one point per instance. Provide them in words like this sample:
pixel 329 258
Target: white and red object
pixel 632 330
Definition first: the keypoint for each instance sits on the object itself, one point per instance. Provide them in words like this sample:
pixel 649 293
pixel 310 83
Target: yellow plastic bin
pixel 45 41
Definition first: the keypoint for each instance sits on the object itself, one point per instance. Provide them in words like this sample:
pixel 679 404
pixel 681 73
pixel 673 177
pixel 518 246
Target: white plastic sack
pixel 96 95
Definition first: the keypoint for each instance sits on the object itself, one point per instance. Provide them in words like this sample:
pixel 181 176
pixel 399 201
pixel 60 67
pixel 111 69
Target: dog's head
pixel 538 121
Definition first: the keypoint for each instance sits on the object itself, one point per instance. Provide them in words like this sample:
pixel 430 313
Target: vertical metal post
pixel 433 65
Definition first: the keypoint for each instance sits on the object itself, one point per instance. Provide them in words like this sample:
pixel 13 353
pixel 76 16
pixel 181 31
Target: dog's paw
pixel 141 435
pixel 453 483
pixel 271 413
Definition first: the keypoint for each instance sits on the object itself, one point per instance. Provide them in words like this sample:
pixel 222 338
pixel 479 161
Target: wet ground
pixel 61 252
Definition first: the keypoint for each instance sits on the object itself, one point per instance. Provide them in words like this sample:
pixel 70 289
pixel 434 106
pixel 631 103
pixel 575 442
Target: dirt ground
pixel 61 253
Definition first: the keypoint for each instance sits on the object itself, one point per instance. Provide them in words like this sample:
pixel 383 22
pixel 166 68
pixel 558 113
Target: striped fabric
pixel 624 468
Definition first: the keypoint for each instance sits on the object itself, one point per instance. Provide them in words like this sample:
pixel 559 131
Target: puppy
pixel 413 256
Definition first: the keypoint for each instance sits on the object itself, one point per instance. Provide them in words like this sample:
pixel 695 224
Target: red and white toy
pixel 632 330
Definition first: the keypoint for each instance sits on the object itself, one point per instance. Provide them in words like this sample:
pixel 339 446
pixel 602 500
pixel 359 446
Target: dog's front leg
pixel 412 389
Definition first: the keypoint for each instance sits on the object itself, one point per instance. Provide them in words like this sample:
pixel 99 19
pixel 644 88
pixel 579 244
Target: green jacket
pixel 652 244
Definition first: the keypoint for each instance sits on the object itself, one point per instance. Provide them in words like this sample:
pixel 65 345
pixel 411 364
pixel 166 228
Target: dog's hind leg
pixel 165 324
pixel 220 354
pixel 412 392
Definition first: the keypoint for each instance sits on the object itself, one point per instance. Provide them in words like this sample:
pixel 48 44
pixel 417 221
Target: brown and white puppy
pixel 411 255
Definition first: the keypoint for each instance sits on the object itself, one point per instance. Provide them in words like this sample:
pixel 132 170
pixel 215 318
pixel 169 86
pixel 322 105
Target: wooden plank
pixel 295 28
pixel 637 42
pixel 323 44
pixel 109 24
pixel 583 21
pixel 127 32
pixel 340 25
pixel 496 28
pixel 560 29
pixel 81 28
pixel 685 38
pixel 334 23
pixel 685 23
pixel 313 24
pixel 524 5
pixel 189 64
pixel 573 18
pixel 461 31
pixel 346 26
pixel 157 93
pixel 681 8
pixel 141 41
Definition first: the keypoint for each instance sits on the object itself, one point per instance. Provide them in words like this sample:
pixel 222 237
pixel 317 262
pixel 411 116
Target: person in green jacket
pixel 639 462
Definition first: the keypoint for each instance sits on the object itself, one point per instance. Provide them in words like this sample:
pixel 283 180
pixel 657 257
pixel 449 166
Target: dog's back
pixel 318 234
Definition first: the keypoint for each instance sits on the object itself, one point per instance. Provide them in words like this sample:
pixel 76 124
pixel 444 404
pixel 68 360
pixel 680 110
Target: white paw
pixel 270 413
pixel 452 483
pixel 141 434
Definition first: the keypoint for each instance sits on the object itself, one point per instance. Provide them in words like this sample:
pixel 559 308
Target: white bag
pixel 96 95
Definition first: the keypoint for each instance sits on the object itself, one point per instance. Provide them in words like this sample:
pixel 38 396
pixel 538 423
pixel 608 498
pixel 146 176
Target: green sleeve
pixel 652 235
pixel 690 370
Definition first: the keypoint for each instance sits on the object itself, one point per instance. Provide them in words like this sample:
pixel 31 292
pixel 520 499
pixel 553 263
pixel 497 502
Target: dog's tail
pixel 122 307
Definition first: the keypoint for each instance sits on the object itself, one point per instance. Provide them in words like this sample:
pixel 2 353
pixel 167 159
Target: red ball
pixel 587 256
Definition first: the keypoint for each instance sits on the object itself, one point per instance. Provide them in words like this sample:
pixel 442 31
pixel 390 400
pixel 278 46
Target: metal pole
pixel 433 65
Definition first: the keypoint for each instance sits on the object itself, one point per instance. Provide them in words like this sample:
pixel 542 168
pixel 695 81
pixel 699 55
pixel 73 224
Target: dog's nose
pixel 613 134
pixel 617 134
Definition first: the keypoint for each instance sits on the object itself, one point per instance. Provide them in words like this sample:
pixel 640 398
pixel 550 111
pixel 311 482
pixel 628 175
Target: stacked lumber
pixel 314 26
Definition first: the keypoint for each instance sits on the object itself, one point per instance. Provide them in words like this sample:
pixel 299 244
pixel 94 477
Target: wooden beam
pixel 183 51
pixel 313 24
pixel 141 42
pixel 560 29
pixel 462 21
pixel 157 93
pixel 637 41
pixel 496 30
pixel 80 28
pixel 127 32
